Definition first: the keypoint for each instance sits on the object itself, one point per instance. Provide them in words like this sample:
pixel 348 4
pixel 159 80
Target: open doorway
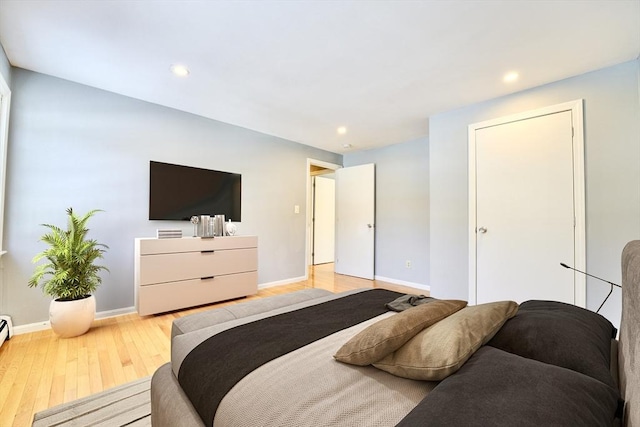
pixel 320 248
pixel 323 217
pixel 354 228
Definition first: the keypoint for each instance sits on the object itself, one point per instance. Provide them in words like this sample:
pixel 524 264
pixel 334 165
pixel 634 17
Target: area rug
pixel 125 405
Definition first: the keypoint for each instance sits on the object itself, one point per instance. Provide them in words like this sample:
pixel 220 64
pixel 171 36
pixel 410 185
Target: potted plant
pixel 70 275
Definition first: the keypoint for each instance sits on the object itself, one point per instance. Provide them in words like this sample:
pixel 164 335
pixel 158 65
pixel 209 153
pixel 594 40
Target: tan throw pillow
pixel 387 335
pixel 440 350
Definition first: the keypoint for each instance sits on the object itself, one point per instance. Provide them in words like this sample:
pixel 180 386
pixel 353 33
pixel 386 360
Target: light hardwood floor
pixel 39 370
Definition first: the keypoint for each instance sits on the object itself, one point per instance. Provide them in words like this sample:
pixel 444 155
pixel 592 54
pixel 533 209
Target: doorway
pixel 526 206
pixel 323 218
pixel 315 168
pixel 354 228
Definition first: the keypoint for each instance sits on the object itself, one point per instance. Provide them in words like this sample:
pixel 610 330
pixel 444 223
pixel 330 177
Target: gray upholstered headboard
pixel 629 349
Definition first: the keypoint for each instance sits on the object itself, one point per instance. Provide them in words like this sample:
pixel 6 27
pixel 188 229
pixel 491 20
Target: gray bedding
pixel 366 393
pixel 215 366
pixel 341 394
pixel 323 391
pixel 211 322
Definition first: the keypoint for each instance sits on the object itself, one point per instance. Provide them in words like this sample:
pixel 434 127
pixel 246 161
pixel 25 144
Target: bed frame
pixel 629 340
pixel 170 406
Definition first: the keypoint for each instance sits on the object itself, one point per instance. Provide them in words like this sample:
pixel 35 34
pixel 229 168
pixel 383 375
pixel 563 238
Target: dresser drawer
pixel 164 268
pixel 193 244
pixel 188 293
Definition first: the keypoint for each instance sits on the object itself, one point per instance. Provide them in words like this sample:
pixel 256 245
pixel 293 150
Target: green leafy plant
pixel 70 273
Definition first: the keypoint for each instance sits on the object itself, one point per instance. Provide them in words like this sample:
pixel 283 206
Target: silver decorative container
pixel 205 226
pixel 218 225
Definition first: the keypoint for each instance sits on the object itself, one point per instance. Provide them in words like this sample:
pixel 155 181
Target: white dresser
pixel 171 274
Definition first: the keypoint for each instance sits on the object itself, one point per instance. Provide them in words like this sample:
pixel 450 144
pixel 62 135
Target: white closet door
pixel 525 210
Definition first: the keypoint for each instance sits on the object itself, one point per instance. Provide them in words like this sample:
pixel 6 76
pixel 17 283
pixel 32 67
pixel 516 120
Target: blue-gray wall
pixel 612 159
pixel 73 145
pixel 402 209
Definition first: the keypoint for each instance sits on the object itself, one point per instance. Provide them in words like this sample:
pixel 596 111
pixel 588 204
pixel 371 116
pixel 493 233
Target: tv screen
pixel 178 192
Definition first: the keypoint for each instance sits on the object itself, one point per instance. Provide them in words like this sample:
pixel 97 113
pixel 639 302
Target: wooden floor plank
pixel 40 370
pixel 36 374
pixel 71 371
pixel 93 360
pixel 16 396
pixel 83 383
pixel 46 379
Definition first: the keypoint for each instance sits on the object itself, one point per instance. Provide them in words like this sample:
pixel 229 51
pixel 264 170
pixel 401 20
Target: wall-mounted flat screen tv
pixel 178 192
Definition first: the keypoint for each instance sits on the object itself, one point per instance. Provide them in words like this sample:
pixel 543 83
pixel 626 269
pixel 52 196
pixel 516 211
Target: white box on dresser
pixel 171 274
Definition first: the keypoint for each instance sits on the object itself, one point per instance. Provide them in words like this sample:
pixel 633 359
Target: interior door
pixel 324 214
pixel 355 221
pixel 525 215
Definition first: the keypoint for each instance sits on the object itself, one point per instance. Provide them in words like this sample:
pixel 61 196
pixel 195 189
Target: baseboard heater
pixel 5 329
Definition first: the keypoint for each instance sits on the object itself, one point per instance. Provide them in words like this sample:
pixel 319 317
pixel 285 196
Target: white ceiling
pixel 300 69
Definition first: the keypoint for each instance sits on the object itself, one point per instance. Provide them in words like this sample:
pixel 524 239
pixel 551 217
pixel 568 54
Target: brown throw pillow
pixel 387 335
pixel 442 349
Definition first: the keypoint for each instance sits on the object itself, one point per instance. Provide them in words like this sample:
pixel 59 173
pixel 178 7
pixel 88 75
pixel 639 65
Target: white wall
pixel 72 145
pixel 5 71
pixel 5 67
pixel 612 151
pixel 402 209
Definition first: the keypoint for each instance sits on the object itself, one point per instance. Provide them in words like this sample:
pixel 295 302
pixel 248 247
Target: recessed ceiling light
pixel 342 130
pixel 180 70
pixel 510 77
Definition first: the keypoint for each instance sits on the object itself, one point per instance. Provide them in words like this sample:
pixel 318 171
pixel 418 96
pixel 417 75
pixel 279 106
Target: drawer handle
pixel 208 277
pixel 207 252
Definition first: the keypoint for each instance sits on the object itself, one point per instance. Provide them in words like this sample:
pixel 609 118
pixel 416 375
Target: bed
pixel 380 358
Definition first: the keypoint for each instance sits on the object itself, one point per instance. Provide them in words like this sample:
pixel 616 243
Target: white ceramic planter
pixel 72 318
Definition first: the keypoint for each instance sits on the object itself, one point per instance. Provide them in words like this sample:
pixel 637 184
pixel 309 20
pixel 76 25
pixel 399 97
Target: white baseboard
pixel 41 326
pixel 404 283
pixel 117 312
pixel 282 282
pixel 31 327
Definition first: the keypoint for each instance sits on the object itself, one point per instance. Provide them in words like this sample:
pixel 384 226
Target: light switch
pixel 296 209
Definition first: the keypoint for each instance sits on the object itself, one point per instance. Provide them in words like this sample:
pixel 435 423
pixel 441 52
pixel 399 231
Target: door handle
pixel 482 230
pixel 370 225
